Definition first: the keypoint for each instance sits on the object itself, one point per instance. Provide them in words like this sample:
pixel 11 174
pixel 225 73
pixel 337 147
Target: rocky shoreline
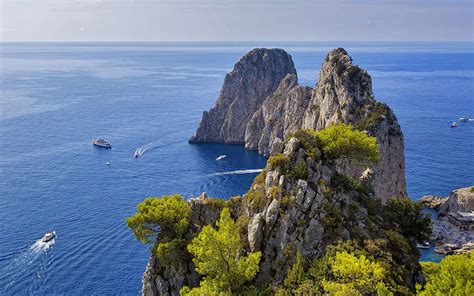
pixel 449 235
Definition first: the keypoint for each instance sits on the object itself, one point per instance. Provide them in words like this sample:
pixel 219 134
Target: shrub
pixel 218 257
pixel 160 218
pixel 275 192
pixel 256 197
pixel 301 170
pixel 295 275
pixel 286 202
pixel 373 119
pixel 279 161
pixel 343 141
pixel 406 217
pixel 454 275
pixel 308 140
pixel 215 203
pixel 163 222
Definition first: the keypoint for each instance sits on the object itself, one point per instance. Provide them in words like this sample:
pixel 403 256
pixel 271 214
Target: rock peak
pixel 254 77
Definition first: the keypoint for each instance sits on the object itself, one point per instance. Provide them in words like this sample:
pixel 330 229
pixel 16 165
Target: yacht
pixel 423 245
pixel 101 143
pixel 221 157
pixel 463 119
pixel 48 236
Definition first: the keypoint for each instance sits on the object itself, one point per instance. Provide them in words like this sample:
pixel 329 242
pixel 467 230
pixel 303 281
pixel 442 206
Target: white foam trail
pixel 40 246
pixel 153 145
pixel 238 172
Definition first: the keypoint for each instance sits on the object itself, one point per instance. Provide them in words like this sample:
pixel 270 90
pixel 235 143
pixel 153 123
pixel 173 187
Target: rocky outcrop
pixel 343 94
pixel 460 200
pixel 292 211
pixel 253 79
pixel 433 202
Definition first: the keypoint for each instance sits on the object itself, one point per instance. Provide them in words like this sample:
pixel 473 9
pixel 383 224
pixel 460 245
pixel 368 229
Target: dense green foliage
pixel 343 141
pixel 407 218
pixel 309 142
pixel 374 117
pixel 163 218
pixel 218 257
pixel 454 275
pixel 163 223
pixel 345 269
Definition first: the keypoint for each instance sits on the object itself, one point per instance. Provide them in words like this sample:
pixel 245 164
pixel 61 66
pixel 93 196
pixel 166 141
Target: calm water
pixel 56 97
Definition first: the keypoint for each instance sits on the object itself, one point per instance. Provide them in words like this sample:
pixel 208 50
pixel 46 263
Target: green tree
pixel 408 219
pixel 295 275
pixel 344 141
pixel 218 257
pixel 353 275
pixel 454 275
pixel 162 222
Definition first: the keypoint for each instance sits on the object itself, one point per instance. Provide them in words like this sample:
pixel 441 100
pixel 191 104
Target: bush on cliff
pixel 218 257
pixel 406 217
pixel 162 222
pixel 454 275
pixel 343 141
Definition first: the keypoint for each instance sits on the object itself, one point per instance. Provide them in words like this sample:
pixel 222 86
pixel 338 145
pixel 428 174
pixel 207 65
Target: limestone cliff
pixel 253 79
pixel 343 94
pixel 300 203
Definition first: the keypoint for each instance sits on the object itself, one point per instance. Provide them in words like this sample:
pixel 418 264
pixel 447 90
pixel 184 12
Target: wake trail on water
pixel 29 264
pixel 237 172
pixel 154 145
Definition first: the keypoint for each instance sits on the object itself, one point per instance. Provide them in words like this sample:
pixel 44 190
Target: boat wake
pixel 29 264
pixel 153 145
pixel 237 172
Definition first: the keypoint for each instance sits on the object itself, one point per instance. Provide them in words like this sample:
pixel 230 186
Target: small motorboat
pixel 101 143
pixel 221 157
pixel 423 245
pixel 108 163
pixel 463 119
pixel 137 153
pixel 454 124
pixel 48 236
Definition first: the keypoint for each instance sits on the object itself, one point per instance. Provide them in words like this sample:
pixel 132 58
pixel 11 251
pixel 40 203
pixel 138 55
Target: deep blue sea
pixel 55 98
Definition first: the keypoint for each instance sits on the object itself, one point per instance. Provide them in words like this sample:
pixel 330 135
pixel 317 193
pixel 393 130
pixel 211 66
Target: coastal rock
pixel 255 77
pixel 433 202
pixel 461 200
pixel 255 232
pixel 343 94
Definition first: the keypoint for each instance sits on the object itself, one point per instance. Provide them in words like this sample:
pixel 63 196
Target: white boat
pixel 463 119
pixel 48 236
pixel 221 157
pixel 137 153
pixel 101 143
pixel 454 124
pixel 423 245
pixel 108 163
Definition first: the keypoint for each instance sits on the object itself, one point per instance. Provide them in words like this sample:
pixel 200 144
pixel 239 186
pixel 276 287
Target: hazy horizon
pixel 237 21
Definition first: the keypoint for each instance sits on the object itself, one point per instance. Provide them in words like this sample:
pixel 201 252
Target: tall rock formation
pixel 343 94
pixel 253 79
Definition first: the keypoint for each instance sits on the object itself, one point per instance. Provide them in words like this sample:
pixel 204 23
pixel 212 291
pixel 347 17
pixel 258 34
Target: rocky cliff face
pixel 343 94
pixel 253 79
pixel 300 203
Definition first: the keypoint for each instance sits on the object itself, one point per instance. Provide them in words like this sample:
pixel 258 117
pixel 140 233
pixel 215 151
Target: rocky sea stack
pixel 261 103
pixel 307 199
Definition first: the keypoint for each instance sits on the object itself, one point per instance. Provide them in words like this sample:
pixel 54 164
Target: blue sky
pixel 234 20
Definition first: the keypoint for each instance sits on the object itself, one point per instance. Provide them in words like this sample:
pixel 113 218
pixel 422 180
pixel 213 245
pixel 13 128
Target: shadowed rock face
pixel 253 79
pixel 343 94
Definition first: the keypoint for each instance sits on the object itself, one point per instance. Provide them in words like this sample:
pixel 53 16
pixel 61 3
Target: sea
pixel 57 97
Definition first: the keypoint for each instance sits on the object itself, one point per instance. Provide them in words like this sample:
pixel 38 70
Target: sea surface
pixel 56 97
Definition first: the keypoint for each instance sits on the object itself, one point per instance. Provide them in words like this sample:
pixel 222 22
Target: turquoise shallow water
pixel 56 97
